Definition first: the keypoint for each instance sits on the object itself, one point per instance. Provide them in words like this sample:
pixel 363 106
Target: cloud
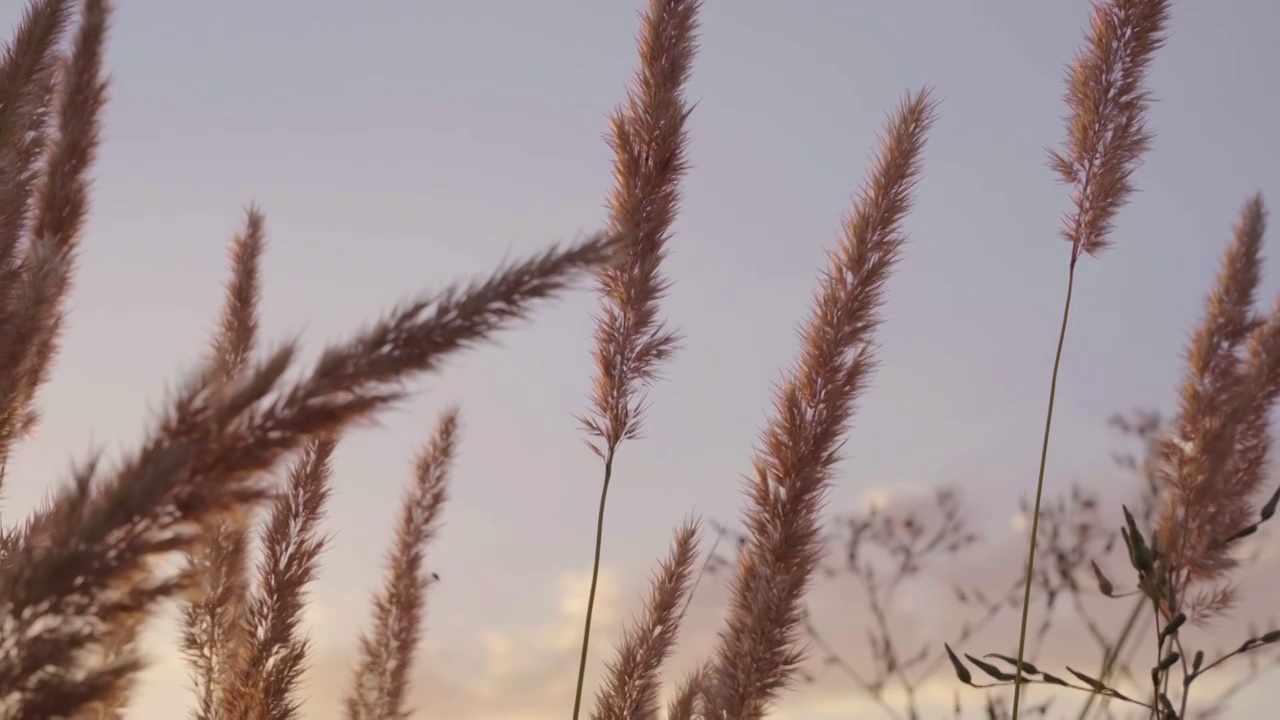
pixel 491 672
pixel 485 669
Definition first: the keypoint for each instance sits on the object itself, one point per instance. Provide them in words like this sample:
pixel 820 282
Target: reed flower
pixel 649 142
pixel 1213 463
pixel 1106 138
pixel 381 679
pixel 759 648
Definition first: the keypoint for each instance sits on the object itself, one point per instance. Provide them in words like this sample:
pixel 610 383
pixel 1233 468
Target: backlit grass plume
pixel 760 647
pixel 649 142
pixel 81 574
pixel 213 621
pixel 1215 461
pixel 50 114
pixel 381 681
pixel 1107 135
pixel 634 678
pixel 267 662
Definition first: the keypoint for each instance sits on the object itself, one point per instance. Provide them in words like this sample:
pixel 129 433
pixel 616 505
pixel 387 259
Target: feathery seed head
pixel 1106 129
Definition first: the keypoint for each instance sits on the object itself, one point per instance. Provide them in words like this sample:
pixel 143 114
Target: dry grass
pixel 79 578
pixel 1106 138
pixel 382 678
pixel 1214 460
pixel 759 648
pixel 211 620
pixel 634 679
pixel 648 140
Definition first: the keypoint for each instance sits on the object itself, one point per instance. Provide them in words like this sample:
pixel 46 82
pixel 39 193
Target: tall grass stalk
pixel 1106 139
pixel 649 141
pixel 1044 455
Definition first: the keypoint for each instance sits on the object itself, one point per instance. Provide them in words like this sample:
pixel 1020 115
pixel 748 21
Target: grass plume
pixel 634 678
pixel 269 660
pixel 85 564
pixel 213 619
pixel 759 648
pixel 28 86
pixel 648 138
pixel 53 200
pixel 1214 463
pixel 1107 135
pixel 381 679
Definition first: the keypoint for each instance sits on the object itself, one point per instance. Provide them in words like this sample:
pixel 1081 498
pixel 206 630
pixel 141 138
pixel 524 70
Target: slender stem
pixel 1186 673
pixel 595 576
pixel 1155 681
pixel 834 658
pixel 1113 655
pixel 1044 455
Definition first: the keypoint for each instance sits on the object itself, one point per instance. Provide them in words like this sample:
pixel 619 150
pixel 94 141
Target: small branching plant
pixel 1213 462
pixel 1209 465
pixel 1176 669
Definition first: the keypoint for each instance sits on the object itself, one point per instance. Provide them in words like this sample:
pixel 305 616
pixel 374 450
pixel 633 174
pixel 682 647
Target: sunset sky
pixel 396 146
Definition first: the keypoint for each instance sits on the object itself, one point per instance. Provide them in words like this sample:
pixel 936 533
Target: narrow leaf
pixel 1270 508
pixel 1027 668
pixel 1091 682
pixel 1103 583
pixel 990 669
pixel 962 672
pixel 1173 626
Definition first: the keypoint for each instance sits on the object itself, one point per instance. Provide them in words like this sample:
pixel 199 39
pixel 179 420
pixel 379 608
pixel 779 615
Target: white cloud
pixel 1019 523
pixel 877 499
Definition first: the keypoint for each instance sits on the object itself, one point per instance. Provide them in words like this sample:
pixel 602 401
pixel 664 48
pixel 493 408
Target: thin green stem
pixel 1044 456
pixel 595 577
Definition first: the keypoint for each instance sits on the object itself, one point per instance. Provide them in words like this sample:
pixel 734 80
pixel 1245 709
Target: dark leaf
pixel 1027 668
pixel 962 672
pixel 990 669
pixel 1173 626
pixel 1053 679
pixel 1103 583
pixel 1270 508
pixel 1095 684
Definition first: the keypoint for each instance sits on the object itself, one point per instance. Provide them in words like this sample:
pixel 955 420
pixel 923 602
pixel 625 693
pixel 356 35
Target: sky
pixel 399 146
